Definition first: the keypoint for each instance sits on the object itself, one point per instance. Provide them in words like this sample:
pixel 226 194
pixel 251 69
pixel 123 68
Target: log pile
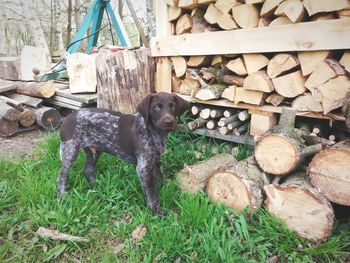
pixel 295 174
pixel 192 16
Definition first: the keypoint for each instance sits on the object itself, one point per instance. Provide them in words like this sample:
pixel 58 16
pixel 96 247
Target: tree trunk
pixel 8 112
pixel 36 89
pixel 59 47
pixel 124 78
pixel 69 22
pixel 77 14
pixel 329 172
pixel 46 117
pixel 301 207
pixel 7 128
pixel 194 178
pixel 238 186
pixel 282 150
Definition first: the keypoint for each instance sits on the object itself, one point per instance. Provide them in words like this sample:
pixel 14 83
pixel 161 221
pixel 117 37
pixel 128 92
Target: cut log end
pixel 8 128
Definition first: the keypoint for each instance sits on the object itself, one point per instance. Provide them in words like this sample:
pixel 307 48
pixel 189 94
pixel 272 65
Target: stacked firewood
pixel 21 107
pixel 295 174
pixel 196 16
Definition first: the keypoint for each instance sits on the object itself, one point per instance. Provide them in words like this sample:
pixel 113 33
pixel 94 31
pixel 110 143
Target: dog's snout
pixel 169 120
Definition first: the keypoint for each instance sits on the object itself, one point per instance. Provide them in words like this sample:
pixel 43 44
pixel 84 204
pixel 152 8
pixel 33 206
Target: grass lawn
pixel 195 230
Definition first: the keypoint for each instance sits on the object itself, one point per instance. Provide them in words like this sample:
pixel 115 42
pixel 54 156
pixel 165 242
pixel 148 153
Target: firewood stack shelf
pixel 256 56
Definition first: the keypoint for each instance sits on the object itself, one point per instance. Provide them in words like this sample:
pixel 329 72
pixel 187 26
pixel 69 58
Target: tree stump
pixel 194 178
pixel 329 172
pixel 301 207
pixel 238 186
pixel 124 78
pixel 282 150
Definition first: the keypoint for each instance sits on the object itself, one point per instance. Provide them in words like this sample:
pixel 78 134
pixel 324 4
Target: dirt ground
pixel 21 145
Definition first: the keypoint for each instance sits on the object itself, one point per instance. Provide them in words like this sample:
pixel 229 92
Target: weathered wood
pixel 124 89
pixel 194 178
pixel 329 172
pixel 205 113
pixel 211 124
pixel 36 89
pixel 47 117
pixel 290 85
pixel 216 113
pixel 27 118
pixel 233 80
pixel 281 63
pixel 8 112
pixel 8 128
pixel 25 100
pixel 175 84
pixel 301 207
pixel 198 61
pixel 195 110
pixel 6 85
pixel 238 187
pixel 241 129
pixel 224 121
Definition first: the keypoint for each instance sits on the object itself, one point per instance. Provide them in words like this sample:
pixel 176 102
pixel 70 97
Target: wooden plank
pixel 267 108
pixel 242 139
pixel 88 98
pixel 24 99
pixel 6 85
pixel 62 104
pixel 69 101
pixel 317 35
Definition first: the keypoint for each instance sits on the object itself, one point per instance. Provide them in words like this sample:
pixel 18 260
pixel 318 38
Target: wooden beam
pixel 308 36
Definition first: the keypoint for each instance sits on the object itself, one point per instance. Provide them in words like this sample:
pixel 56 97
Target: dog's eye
pixel 157 107
pixel 172 105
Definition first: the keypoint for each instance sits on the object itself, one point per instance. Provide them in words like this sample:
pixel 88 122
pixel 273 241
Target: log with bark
pixel 211 92
pixel 301 207
pixel 309 59
pixel 238 186
pixel 329 172
pixel 24 99
pixel 197 123
pixel 47 117
pixel 8 112
pixel 8 128
pixel 194 178
pixel 282 150
pixel 275 99
pixel 27 118
pixel 36 89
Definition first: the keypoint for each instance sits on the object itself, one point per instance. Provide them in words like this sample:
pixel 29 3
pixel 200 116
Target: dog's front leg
pixel 145 172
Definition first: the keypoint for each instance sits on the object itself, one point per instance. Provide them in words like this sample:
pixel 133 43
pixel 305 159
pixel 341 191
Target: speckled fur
pixel 139 139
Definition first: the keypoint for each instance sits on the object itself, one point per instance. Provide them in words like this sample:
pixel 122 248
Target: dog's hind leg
pixel 90 164
pixel 69 152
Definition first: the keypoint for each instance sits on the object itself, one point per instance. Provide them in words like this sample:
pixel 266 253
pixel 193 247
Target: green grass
pixel 195 230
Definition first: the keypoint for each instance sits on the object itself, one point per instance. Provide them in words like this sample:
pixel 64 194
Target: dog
pixel 138 139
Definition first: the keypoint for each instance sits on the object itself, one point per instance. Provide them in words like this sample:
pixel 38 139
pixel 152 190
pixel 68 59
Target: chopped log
pixel 226 22
pixel 345 61
pixel 217 61
pixel 47 117
pixel 187 4
pixel 293 9
pixel 229 112
pixel 174 12
pixel 10 68
pixel 232 125
pixel 290 85
pixel 261 122
pixel 307 102
pixel 324 71
pixel 185 89
pixel 124 89
pixel 184 24
pixel 13 103
pixel 312 140
pixel 238 187
pixel 241 129
pixel 224 121
pixel 249 96
pixel 194 178
pixel 275 99
pixel 229 93
pixel 301 207
pixel 332 93
pixel 281 63
pixel 36 89
pixel 205 113
pixel 233 80
pixel 175 84
pixel 254 62
pixel 199 61
pixel 318 6
pixel 281 20
pixel 197 123
pixel 212 92
pixel 211 124
pixel 81 69
pixel 191 85
pixel 246 15
pixel 195 110
pixel 25 100
pixel 224 130
pixel 269 7
pixel 281 150
pixel 259 81
pixel 216 113
pixel 180 66
pixel 309 59
pixel 243 115
pixel 329 172
pixel 212 14
pixel 8 128
pixel 237 66
pixel 8 112
pixel 226 5
pixel 27 118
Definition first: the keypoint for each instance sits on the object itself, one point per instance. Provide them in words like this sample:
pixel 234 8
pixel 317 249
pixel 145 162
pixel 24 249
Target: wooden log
pixel 216 113
pixel 281 150
pixel 197 123
pixel 261 122
pixel 281 20
pixel 25 100
pixel 293 9
pixel 255 62
pixel 312 140
pixel 199 61
pixel 180 66
pixel 205 113
pixel 27 118
pixel 246 15
pixel 184 24
pixel 233 80
pixel 212 14
pixel 329 171
pixel 224 130
pixel 307 102
pixel 281 63
pixel 6 85
pixel 175 84
pixel 275 99
pixel 309 59
pixel 174 12
pixel 249 96
pixel 187 4
pixel 195 110
pixel 301 207
pixel 194 178
pixel 241 129
pixel 226 5
pixel 229 93
pixel 232 125
pixel 8 112
pixel 243 115
pixel 290 85
pixel 8 128
pixel 206 2
pixel 13 103
pixel 47 117
pixel 123 89
pixel 269 7
pixel 229 112
pixel 36 89
pixel 211 124
pixel 345 61
pixel 238 187
pixel 259 81
pixel 237 66
pixel 10 68
pixel 318 6
pixel 226 22
pixel 211 92
pixel 224 121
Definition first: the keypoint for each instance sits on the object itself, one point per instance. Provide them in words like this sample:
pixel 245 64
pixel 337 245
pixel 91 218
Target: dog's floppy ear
pixel 181 105
pixel 144 107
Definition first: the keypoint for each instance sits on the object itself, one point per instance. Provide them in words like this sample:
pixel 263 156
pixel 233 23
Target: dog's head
pixel 161 109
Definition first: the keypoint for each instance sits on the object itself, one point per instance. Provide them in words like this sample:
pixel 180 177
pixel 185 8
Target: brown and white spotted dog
pixel 139 139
